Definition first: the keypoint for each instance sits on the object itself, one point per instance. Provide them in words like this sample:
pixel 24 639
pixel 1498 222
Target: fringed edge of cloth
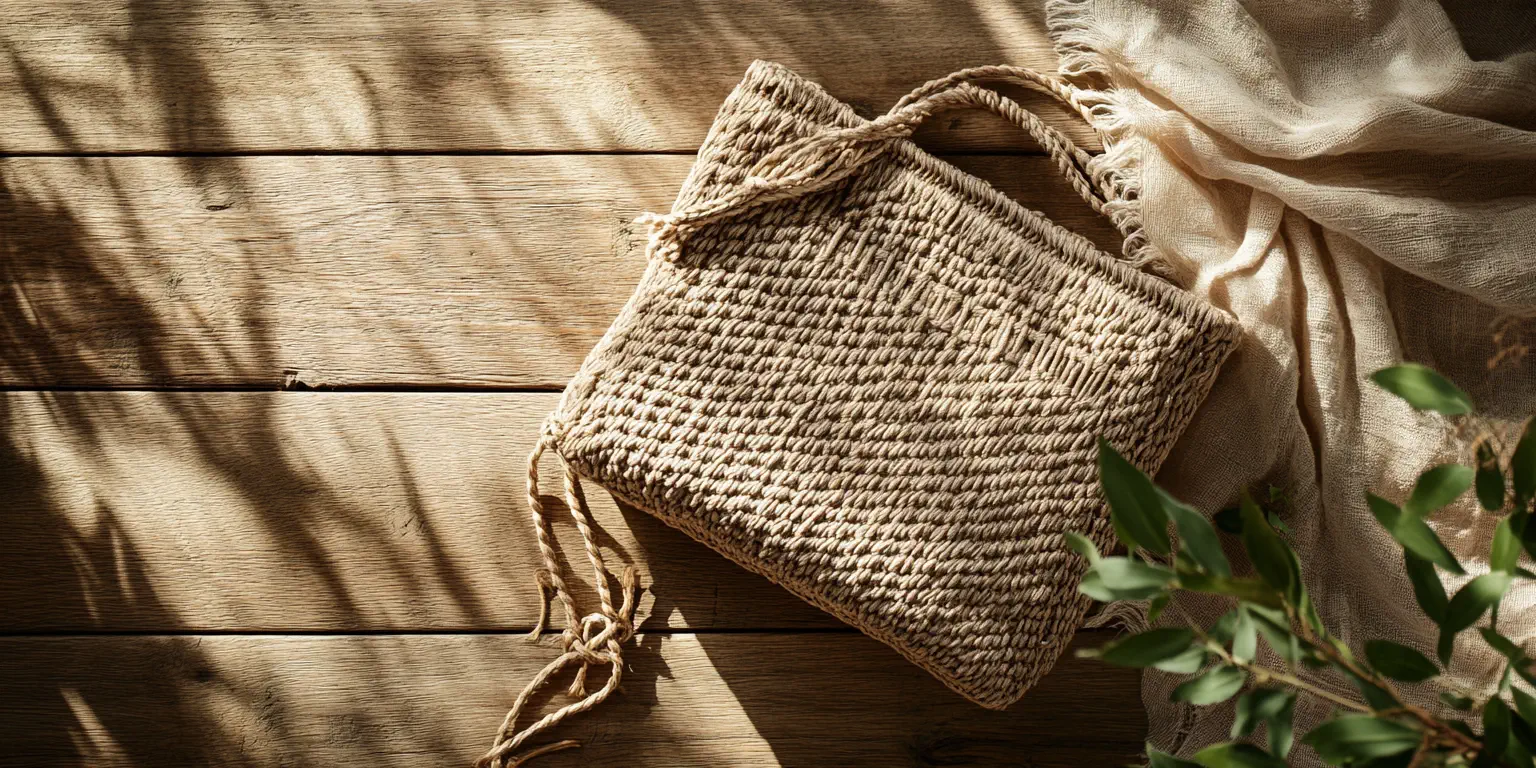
pixel 1103 87
pixel 1088 62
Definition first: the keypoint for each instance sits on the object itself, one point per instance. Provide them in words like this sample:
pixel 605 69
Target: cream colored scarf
pixel 1356 181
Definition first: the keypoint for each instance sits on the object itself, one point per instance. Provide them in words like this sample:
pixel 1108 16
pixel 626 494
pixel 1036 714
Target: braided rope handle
pixel 811 163
pixel 1051 140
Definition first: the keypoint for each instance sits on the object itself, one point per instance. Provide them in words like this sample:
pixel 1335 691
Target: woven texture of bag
pixel 880 384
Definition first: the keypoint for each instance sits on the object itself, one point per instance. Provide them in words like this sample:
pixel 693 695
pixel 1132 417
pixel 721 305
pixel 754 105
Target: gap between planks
pixel 459 75
pixel 748 701
pixel 341 272
pixel 162 516
pixel 274 513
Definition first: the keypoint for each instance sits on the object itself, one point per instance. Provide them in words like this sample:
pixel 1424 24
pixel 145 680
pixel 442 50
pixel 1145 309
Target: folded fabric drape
pixel 1356 182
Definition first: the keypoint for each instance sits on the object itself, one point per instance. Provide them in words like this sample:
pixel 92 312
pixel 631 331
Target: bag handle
pixel 1071 161
pixel 814 162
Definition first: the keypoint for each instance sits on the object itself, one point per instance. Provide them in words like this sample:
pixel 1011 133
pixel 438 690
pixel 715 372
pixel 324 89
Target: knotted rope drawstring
pixel 815 162
pixel 595 639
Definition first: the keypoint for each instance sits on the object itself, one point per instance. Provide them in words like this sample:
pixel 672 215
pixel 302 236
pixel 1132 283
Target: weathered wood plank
pixel 239 76
pixel 689 700
pixel 278 512
pixel 342 271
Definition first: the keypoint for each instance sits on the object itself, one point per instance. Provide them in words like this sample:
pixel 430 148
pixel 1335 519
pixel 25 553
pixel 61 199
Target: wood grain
pixel 282 512
pixel 351 195
pixel 744 701
pixel 342 271
pixel 463 75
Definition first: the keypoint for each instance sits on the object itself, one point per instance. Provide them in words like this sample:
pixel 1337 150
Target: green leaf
pixel 1399 662
pixel 1229 520
pixel 1423 389
pixel 1080 544
pixel 1156 606
pixel 1309 613
pixel 1237 756
pixel 1156 759
pixel 1445 647
pixel 1360 737
pixel 1186 663
pixel 1413 533
pixel 1495 732
pixel 1525 705
pixel 1124 578
pixel 1215 686
pixel 1399 760
pixel 1270 555
pixel 1469 604
pixel 1245 637
pixel 1196 536
pixel 1472 600
pixel 1517 752
pixel 1438 487
pixel 1147 648
pixel 1455 701
pixel 1490 478
pixel 1224 627
pixel 1506 547
pixel 1377 697
pixel 1271 706
pixel 1246 589
pixel 1428 590
pixel 1134 506
pixel 1505 646
pixel 1276 629
pixel 1392 761
pixel 1281 731
pixel 1522 466
pixel 1520 523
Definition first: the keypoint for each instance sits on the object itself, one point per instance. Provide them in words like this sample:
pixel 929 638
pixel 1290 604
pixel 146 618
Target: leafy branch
pixel 1380 728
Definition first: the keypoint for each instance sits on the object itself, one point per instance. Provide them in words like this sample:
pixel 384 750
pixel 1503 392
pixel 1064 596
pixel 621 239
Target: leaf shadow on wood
pixel 78 313
pixel 113 318
pixel 75 568
pixel 91 574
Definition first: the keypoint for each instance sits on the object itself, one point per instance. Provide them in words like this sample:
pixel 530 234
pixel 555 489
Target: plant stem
pixel 1441 732
pixel 1263 674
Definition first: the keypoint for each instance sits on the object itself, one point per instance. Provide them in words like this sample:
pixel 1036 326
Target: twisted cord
pixel 815 162
pixel 595 639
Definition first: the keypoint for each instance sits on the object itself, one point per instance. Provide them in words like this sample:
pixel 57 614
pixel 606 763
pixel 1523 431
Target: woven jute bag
pixel 872 378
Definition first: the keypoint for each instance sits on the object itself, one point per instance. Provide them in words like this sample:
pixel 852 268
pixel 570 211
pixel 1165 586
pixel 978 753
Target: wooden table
pixel 289 286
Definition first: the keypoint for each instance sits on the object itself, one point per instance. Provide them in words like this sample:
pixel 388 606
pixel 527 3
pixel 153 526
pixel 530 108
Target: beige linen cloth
pixel 1356 182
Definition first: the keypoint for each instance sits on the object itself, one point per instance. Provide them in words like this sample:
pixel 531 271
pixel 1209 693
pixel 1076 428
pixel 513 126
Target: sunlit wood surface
pixel 288 287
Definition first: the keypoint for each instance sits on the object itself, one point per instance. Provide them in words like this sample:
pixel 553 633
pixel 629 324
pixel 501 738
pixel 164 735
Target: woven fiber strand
pixel 884 394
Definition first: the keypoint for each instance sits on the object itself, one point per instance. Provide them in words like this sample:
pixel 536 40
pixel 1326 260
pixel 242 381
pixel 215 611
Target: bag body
pixel 870 377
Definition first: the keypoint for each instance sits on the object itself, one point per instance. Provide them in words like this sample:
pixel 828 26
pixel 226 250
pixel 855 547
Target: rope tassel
pixel 595 639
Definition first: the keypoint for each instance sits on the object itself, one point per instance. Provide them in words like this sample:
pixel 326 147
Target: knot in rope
pixel 664 236
pixel 596 639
